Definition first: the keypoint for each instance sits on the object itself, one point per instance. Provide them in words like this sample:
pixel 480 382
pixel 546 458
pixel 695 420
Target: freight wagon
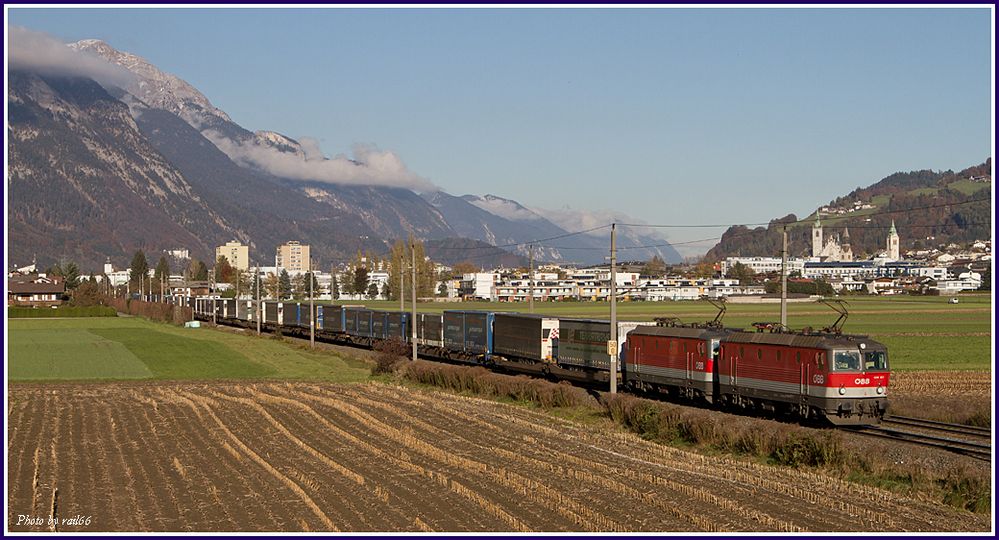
pixel 582 343
pixel 525 337
pixel 468 334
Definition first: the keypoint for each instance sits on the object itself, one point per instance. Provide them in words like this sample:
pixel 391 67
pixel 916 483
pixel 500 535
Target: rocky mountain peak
pixel 157 88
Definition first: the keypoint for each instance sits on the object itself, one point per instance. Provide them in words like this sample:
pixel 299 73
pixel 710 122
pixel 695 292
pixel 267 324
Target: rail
pixel 974 449
pixel 934 425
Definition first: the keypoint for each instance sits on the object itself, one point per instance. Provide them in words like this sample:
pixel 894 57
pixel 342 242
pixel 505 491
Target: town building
pixel 835 248
pixel 236 253
pixel 479 286
pixel 293 256
pixel 34 290
pixel 764 265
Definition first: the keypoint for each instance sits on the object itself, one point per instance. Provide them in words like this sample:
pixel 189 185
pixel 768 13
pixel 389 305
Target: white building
pixel 480 285
pixel 764 265
pixel 236 253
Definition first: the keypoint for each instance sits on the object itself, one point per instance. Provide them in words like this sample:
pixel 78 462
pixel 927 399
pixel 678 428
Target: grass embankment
pixel 134 348
pixel 709 432
pixel 61 311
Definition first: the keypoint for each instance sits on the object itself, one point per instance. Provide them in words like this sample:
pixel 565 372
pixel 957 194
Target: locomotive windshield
pixel 875 361
pixel 846 360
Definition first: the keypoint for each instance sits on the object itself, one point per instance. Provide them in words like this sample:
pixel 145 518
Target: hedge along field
pixel 133 348
pixel 921 332
pixel 61 311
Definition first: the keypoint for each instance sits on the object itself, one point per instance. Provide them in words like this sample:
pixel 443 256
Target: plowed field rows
pixel 324 457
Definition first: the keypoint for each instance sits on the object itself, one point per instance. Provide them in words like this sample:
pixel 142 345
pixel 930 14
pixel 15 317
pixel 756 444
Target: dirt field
pixel 325 457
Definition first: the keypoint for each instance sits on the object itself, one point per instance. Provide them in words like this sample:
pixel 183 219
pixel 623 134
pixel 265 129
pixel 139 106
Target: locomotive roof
pixel 811 341
pixel 678 331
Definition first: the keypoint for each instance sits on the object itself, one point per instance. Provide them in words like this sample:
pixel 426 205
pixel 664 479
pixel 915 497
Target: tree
pixel 462 268
pixel 72 274
pixel 271 285
pixel 386 290
pixel 162 272
pixel 334 287
pixel 401 258
pixel 284 285
pixel 87 294
pixel 442 289
pixel 360 284
pixel 224 272
pixel 298 288
pixel 654 268
pixel 741 272
pixel 138 270
pixel 198 271
pixel 703 269
pixel 242 282
pixel 372 291
pixel 311 276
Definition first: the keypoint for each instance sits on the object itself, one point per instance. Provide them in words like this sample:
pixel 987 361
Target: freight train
pixel 842 379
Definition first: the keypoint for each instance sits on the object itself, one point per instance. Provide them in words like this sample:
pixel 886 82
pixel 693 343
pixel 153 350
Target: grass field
pixel 921 334
pixel 133 348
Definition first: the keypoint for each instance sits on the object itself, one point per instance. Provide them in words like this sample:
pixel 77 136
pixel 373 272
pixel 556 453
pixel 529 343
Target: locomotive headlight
pixel 881 389
pixel 842 391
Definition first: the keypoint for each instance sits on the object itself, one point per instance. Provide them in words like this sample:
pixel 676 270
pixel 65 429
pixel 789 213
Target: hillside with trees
pixel 929 208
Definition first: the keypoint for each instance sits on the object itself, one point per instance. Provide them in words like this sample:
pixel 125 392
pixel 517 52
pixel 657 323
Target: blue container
pixel 469 331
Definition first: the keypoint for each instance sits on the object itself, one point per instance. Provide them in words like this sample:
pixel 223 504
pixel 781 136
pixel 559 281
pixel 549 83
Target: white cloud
pixel 41 53
pixel 505 208
pixel 368 166
pixel 572 219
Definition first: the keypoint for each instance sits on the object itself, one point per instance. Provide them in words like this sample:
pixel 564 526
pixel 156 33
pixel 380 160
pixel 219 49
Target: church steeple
pixel 817 237
pixel 893 242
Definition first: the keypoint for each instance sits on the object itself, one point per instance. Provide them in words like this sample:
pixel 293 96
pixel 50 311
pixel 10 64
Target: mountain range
pixel 98 169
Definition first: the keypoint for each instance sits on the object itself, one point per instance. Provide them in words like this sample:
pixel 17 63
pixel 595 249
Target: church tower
pixel 846 251
pixel 893 242
pixel 817 237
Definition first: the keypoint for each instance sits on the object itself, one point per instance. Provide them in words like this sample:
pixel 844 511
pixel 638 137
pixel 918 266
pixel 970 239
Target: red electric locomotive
pixel 674 359
pixel 838 377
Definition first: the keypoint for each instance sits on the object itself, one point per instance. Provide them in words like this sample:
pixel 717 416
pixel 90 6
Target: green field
pixel 920 332
pixel 133 348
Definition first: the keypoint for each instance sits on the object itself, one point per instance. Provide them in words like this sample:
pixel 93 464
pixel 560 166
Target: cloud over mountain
pixel 369 166
pixel 38 52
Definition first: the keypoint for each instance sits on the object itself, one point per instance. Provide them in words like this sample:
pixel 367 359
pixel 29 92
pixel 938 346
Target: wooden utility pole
pixel 256 280
pixel 783 281
pixel 612 347
pixel 312 309
pixel 530 304
pixel 402 281
pixel 412 246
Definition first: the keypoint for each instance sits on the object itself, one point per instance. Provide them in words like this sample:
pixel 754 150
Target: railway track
pixel 933 425
pixel 978 449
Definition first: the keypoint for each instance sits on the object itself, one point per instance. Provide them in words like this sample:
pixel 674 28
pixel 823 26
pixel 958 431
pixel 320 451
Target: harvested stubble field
pixel 948 396
pixel 144 456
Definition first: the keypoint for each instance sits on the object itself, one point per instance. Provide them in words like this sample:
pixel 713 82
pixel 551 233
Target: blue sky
pixel 668 115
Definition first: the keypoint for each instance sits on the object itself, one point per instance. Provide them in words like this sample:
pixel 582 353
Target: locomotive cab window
pixel 875 361
pixel 846 360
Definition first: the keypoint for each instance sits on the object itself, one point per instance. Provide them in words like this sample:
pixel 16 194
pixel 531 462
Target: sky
pixel 670 116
